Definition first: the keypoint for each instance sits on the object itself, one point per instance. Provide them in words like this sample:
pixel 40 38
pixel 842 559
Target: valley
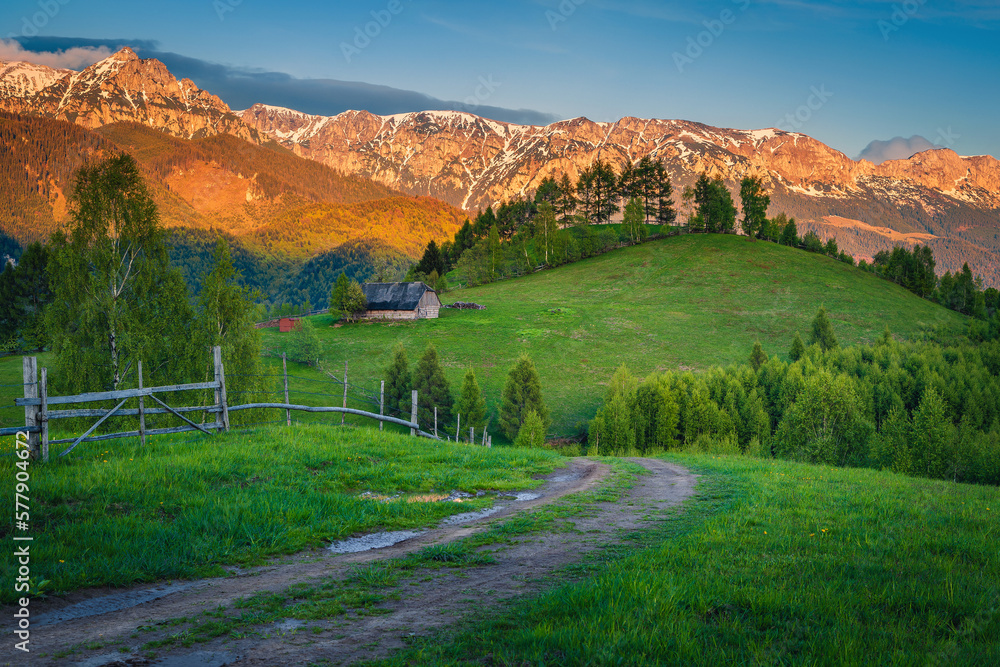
pixel 731 395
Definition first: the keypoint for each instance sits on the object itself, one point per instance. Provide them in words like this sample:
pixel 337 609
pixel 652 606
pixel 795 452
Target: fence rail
pixel 37 403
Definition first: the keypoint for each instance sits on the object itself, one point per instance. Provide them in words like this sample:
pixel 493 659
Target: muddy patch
pixel 355 545
pixel 109 603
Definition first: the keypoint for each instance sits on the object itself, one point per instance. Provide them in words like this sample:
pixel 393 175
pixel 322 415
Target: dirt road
pixel 112 618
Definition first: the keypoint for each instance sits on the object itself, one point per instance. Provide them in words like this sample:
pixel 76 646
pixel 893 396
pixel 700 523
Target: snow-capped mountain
pixel 122 87
pixel 21 80
pixel 472 162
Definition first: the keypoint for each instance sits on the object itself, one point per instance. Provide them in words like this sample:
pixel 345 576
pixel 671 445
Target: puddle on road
pixel 110 603
pixel 196 659
pixel 466 517
pixel 520 496
pixel 355 545
pixel 571 477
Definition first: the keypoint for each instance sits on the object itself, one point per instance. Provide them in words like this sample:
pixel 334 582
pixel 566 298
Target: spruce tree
pixel 433 390
pixel 798 348
pixel 471 404
pixel 398 383
pixel 532 432
pixel 522 392
pixel 665 212
pixel 790 234
pixel 932 435
pixel 432 260
pixel 757 357
pixel 566 202
pixel 822 331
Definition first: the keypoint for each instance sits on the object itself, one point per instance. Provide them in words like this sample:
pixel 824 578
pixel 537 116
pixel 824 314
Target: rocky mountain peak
pixel 126 88
pixel 126 54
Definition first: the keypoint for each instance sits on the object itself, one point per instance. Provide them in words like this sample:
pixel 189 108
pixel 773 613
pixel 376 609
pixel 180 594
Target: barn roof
pixel 394 296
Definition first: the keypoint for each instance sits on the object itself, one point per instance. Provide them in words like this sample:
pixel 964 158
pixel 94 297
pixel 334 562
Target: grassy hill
pixel 688 302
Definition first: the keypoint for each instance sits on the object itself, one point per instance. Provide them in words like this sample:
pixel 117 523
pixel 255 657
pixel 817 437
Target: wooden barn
pixel 286 324
pixel 401 301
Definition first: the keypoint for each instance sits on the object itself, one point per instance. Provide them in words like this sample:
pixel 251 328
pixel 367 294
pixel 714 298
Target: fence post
pixel 484 436
pixel 29 369
pixel 142 409
pixel 472 435
pixel 413 411
pixel 381 405
pixel 458 429
pixel 343 415
pixel 435 421
pixel 222 417
pixel 43 412
pixel 284 371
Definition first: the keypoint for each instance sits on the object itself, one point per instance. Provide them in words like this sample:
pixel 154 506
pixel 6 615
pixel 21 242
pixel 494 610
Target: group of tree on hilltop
pixel 555 226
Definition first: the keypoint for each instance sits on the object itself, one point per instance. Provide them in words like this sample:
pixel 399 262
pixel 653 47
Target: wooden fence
pixel 38 413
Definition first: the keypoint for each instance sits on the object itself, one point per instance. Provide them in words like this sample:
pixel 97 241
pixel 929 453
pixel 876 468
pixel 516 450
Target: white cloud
pixel 77 57
pixel 896 148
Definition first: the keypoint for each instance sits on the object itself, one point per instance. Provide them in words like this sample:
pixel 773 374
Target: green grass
pixel 772 563
pixel 11 387
pixel 119 514
pixel 686 302
pixel 367 585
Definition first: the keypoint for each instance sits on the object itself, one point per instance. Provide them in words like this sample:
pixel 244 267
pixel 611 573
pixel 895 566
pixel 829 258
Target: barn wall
pixel 429 305
pixel 391 315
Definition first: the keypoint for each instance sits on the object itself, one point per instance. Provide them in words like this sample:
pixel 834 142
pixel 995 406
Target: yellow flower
pixel 62 561
pixel 812 534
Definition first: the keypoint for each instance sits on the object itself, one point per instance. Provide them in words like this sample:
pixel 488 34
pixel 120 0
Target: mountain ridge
pixel 472 162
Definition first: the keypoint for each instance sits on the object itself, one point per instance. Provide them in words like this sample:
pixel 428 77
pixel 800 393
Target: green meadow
pixel 687 302
pixel 771 563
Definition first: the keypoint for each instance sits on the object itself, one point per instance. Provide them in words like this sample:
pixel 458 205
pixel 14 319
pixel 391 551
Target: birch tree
pixel 115 298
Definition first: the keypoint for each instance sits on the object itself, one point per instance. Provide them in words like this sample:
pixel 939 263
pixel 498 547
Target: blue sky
pixel 847 73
